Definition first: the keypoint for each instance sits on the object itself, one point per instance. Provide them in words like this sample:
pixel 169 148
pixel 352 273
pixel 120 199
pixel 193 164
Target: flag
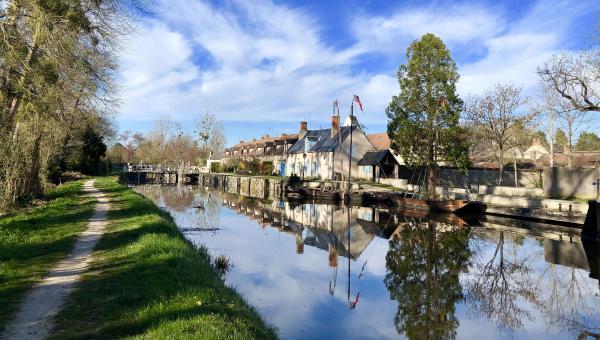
pixel 356 99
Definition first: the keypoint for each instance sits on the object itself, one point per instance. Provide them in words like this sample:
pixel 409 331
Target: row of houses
pixel 323 153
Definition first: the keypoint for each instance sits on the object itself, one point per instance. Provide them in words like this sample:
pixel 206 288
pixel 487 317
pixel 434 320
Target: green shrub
pixel 267 168
pixel 215 167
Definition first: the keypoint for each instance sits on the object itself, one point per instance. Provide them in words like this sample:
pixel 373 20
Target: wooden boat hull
pixel 449 206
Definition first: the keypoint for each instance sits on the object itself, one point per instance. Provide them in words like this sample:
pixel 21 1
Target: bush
pixel 253 167
pixel 215 167
pixel 267 168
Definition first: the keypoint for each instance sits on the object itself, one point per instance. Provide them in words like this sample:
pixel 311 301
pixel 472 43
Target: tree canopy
pixel 423 119
pixel 588 141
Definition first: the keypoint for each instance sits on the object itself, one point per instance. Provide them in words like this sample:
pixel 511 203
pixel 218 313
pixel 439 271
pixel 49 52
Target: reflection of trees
pixel 178 198
pixel 423 267
pixel 498 286
pixel 569 300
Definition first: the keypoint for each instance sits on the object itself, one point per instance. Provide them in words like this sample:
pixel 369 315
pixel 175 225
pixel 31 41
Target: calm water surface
pixel 319 271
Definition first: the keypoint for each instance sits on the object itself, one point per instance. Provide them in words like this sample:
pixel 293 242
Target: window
pixel 308 144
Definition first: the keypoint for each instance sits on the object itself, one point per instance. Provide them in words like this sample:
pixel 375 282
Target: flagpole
pixel 350 154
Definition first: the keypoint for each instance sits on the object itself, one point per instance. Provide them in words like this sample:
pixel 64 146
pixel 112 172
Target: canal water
pixel 320 271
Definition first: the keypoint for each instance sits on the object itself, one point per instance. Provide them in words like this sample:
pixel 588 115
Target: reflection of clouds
pixel 291 290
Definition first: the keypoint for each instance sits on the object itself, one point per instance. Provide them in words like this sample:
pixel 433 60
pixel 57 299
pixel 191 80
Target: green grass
pixel 33 239
pixel 148 282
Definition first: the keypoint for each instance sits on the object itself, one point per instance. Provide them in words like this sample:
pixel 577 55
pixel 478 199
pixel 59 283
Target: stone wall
pixel 570 183
pixel 232 184
pixel 258 187
pixel 475 177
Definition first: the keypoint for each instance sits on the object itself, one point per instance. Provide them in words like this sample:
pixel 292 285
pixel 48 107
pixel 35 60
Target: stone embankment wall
pixel 259 187
pixel 453 178
pixel 571 183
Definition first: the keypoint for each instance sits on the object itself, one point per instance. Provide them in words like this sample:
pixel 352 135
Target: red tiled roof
pixel 380 141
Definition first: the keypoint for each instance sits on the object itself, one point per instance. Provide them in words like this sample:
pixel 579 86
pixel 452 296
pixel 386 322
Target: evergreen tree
pixel 588 141
pixel 92 151
pixel 424 118
pixel 423 274
pixel 561 138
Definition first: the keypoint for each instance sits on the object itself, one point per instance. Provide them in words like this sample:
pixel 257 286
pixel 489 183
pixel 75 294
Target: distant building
pixel 266 148
pixel 536 150
pixel 324 153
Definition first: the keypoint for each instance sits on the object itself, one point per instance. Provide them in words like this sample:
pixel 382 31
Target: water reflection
pixel 318 270
pixel 423 264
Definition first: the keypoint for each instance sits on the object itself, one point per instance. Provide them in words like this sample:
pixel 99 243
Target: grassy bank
pixel 33 239
pixel 147 281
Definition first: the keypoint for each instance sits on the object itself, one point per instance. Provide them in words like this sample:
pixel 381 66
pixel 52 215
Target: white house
pixel 324 153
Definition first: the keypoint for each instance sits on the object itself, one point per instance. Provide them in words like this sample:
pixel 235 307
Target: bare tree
pixel 499 117
pixel 573 120
pixel 550 99
pixel 210 134
pixel 576 78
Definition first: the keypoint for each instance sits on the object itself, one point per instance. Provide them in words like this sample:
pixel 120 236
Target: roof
pixel 380 141
pixel 373 157
pixel 217 156
pixel 323 140
pixel 266 139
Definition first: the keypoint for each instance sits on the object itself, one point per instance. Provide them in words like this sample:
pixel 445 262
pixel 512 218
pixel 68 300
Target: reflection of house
pixel 324 153
pixel 267 148
pixel 327 227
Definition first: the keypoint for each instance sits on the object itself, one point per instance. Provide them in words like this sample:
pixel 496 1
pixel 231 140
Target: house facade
pixel 325 153
pixel 265 149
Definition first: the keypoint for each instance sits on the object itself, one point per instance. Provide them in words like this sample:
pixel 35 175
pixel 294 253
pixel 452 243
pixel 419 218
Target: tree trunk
pixel 515 168
pixel 33 183
pixel 551 152
pixel 501 167
pixel 431 182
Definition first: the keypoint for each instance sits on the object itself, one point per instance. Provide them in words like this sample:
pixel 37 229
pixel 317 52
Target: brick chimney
pixel 335 125
pixel 303 128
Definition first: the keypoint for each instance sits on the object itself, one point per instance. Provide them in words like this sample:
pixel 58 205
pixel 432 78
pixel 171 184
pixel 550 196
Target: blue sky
pixel 262 66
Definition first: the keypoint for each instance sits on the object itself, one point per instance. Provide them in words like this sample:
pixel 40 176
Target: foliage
pixel 423 120
pixel 58 67
pixel 215 167
pixel 33 239
pixel 588 141
pixel 253 166
pixel 423 267
pixel 92 150
pixel 561 138
pixel 267 168
pixel 540 136
pixel 182 296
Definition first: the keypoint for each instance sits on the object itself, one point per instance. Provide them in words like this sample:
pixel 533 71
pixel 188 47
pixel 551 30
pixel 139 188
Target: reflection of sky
pixel 291 291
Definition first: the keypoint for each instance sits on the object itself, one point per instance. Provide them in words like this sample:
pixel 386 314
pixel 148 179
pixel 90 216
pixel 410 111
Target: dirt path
pixel 34 319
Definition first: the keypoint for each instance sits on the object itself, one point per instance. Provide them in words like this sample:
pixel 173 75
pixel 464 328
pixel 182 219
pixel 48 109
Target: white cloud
pixel 456 25
pixel 515 55
pixel 258 61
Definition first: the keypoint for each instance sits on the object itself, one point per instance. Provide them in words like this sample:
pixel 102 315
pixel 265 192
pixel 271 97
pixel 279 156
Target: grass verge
pixel 33 239
pixel 147 281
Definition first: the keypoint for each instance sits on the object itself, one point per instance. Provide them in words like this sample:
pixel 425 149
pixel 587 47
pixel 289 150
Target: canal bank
pixel 322 270
pixel 520 203
pixel 145 280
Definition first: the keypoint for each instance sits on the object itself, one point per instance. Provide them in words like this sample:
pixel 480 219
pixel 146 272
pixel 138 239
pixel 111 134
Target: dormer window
pixel 309 143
